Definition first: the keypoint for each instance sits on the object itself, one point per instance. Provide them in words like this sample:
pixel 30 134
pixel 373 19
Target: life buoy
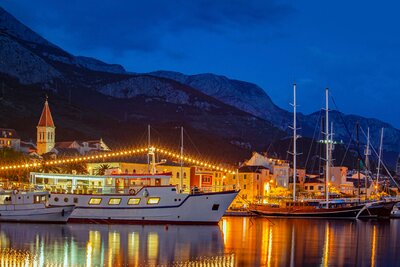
pixel 132 191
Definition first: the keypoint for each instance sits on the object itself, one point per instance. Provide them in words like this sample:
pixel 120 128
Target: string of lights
pixel 166 152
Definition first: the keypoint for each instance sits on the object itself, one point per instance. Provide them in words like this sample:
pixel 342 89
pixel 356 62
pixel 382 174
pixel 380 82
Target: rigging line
pixel 275 138
pixel 312 141
pixel 191 141
pixel 347 148
pixel 383 164
pixel 347 130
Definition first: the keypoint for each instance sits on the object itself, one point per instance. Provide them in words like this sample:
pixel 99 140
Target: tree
pixel 101 170
pixel 74 167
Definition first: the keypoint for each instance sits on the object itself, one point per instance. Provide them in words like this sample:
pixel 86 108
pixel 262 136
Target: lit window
pixel 134 201
pixel 153 200
pixel 114 201
pixel 94 201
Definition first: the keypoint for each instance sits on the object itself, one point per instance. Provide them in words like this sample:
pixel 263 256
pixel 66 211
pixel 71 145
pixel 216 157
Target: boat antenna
pixel 327 146
pixel 379 162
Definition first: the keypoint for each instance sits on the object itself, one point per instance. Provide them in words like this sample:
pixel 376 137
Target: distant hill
pixel 225 119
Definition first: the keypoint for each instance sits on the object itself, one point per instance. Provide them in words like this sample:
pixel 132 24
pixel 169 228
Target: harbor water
pixel 236 241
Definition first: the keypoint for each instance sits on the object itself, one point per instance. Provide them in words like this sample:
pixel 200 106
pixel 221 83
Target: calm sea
pixel 236 241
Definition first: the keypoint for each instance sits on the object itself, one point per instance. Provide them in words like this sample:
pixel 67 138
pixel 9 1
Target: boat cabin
pixel 15 197
pixel 101 184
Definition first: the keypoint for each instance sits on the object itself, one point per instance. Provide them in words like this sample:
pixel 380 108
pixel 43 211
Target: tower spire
pixel 45 130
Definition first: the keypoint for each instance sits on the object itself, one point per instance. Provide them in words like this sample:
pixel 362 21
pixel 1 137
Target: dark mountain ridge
pixel 90 99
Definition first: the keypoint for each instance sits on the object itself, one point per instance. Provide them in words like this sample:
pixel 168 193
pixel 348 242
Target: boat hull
pixel 380 210
pixel 207 208
pixel 331 213
pixel 56 214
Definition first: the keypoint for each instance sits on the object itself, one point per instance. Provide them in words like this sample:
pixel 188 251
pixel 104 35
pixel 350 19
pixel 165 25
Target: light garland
pixel 119 154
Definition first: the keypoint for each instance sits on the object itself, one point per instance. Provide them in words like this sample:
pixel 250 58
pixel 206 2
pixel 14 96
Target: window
pixel 245 176
pixel 320 188
pixel 114 201
pixel 134 201
pixel 311 187
pixel 306 187
pixel 258 177
pixel 177 175
pixel 244 186
pixel 153 200
pixel 95 201
pixel 184 175
pixel 234 177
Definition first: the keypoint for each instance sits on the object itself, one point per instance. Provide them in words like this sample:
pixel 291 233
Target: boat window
pixel 94 201
pixel 65 199
pixel 153 200
pixel 75 200
pixel 134 201
pixel 114 201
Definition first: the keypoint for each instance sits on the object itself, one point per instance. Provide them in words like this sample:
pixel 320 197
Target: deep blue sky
pixel 351 46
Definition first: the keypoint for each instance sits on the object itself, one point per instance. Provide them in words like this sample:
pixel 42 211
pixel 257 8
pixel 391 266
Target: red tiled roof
pixel 45 119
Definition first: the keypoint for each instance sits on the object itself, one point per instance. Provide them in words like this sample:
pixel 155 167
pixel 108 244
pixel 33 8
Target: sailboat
pixel 338 209
pixel 384 207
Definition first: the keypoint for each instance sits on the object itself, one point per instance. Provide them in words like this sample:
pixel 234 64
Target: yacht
pixel 20 206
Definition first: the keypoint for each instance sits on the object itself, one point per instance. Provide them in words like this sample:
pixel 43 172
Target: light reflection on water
pixel 235 242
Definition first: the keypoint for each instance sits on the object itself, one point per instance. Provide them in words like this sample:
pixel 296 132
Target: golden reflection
pixel 224 232
pixel 152 247
pixel 16 257
pixel 133 248
pixel 373 249
pixel 89 254
pixel 325 257
pixel 114 255
pixel 269 246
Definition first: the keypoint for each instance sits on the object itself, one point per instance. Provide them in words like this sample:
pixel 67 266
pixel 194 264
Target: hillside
pixel 225 119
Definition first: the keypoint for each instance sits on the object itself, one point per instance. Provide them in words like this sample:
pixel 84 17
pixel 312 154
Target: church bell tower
pixel 45 131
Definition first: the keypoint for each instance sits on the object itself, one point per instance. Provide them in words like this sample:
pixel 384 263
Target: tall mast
pixel 367 165
pixel 148 148
pixel 358 162
pixel 181 174
pixel 294 143
pixel 379 162
pixel 327 145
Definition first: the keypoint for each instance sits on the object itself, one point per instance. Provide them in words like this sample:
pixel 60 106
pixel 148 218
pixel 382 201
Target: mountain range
pixel 224 119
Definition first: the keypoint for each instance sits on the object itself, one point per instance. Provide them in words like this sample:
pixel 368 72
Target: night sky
pixel 353 47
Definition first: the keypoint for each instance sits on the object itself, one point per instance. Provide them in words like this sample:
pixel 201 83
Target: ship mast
pixel 181 174
pixel 294 142
pixel 367 164
pixel 379 162
pixel 327 147
pixel 148 148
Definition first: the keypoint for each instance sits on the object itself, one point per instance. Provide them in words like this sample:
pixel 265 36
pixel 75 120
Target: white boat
pixel 149 204
pixel 18 206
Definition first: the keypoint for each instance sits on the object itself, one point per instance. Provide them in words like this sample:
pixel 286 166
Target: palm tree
pixel 101 170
